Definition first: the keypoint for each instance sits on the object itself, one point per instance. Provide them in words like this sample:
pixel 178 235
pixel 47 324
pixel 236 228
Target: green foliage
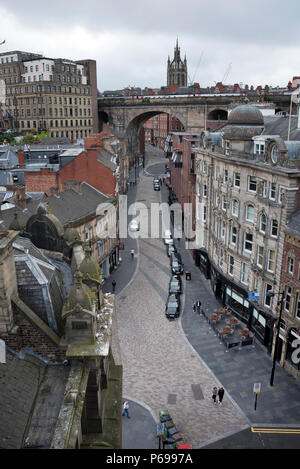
pixel 28 139
pixel 43 134
pixel 9 138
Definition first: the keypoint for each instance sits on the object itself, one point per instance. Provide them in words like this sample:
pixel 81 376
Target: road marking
pixel 276 430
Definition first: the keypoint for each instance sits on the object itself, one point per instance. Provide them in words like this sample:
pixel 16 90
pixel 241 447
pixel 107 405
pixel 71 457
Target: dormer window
pixel 259 148
pixel 227 147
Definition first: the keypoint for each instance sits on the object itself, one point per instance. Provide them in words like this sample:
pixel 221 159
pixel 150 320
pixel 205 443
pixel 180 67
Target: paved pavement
pixel 161 369
pixel 174 365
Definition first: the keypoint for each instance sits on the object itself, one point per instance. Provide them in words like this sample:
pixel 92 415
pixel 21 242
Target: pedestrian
pixel 198 306
pixel 194 306
pixel 132 253
pixel 221 395
pixel 125 409
pixel 214 394
pixel 114 283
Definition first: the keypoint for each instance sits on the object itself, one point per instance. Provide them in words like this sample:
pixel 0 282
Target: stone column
pixel 8 279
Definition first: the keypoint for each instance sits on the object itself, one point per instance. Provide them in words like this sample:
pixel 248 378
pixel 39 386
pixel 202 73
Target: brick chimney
pixel 21 158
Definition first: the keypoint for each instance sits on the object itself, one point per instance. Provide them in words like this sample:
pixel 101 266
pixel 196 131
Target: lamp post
pixel 271 294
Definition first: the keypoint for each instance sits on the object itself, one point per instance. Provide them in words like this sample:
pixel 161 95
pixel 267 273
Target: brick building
pixel 41 93
pixel 98 164
pixel 289 338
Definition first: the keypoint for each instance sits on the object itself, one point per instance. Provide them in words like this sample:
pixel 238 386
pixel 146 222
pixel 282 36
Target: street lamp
pixel 270 295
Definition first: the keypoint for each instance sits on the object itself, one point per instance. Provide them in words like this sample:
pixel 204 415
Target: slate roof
pixel 68 205
pixel 107 159
pixel 293 224
pixel 31 394
pixel 278 125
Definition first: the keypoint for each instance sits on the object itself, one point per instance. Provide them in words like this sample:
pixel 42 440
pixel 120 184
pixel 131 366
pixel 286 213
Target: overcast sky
pixel 131 39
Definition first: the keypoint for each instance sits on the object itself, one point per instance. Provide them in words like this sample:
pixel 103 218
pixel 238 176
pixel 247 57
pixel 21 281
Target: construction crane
pixel 196 70
pixel 226 73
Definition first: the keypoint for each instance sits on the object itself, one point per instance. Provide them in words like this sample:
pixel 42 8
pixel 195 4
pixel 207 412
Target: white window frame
pixel 291 263
pixel 249 182
pixel 237 177
pixel 260 223
pixel 271 261
pixel 297 312
pixel 233 235
pixel 272 184
pixel 245 271
pixel 224 203
pixel 249 219
pixel 272 227
pixel 235 214
pixel 260 256
pixel 247 241
pixel 288 295
pixel 266 298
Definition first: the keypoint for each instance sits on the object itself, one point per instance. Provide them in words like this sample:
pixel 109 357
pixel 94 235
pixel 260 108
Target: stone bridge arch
pixel 135 125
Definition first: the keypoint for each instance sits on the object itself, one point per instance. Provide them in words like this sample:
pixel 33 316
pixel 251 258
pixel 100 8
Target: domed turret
pixel 246 114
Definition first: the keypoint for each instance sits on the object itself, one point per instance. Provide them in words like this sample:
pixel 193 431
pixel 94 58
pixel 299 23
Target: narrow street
pixel 161 369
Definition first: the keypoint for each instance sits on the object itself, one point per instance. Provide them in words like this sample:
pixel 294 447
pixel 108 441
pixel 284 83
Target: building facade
pixel 40 93
pixel 247 187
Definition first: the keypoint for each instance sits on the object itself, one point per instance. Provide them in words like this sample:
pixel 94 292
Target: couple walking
pixel 197 306
pixel 219 393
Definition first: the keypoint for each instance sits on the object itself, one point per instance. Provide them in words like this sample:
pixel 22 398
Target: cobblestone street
pixel 161 369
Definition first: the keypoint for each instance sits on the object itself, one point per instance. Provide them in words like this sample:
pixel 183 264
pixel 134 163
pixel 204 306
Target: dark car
pixel 175 286
pixel 155 181
pixel 156 187
pixel 171 249
pixel 172 306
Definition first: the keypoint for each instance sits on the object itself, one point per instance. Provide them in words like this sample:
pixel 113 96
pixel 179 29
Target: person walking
pixel 126 409
pixel 198 306
pixel 194 306
pixel 214 394
pixel 221 395
pixel 132 253
pixel 114 283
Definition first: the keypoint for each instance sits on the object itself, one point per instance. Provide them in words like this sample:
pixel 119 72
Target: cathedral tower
pixel 177 69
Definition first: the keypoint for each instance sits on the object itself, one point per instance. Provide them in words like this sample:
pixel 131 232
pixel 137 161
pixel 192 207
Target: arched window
pixel 263 223
pixel 250 213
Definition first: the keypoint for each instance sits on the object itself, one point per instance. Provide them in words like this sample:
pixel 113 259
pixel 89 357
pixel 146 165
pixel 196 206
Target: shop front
pixel 262 326
pixel 237 299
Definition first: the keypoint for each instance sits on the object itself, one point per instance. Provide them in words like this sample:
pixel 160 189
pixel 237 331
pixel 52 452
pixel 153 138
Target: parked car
pixel 176 265
pixel 168 237
pixel 134 225
pixel 172 306
pixel 156 187
pixel 175 286
pixel 171 249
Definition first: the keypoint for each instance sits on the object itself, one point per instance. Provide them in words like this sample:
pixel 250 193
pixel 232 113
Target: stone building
pixel 247 187
pixel 61 387
pixel 177 69
pixel 41 93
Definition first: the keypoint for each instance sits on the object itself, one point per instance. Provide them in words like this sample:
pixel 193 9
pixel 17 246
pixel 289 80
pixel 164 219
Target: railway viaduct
pixel 127 115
